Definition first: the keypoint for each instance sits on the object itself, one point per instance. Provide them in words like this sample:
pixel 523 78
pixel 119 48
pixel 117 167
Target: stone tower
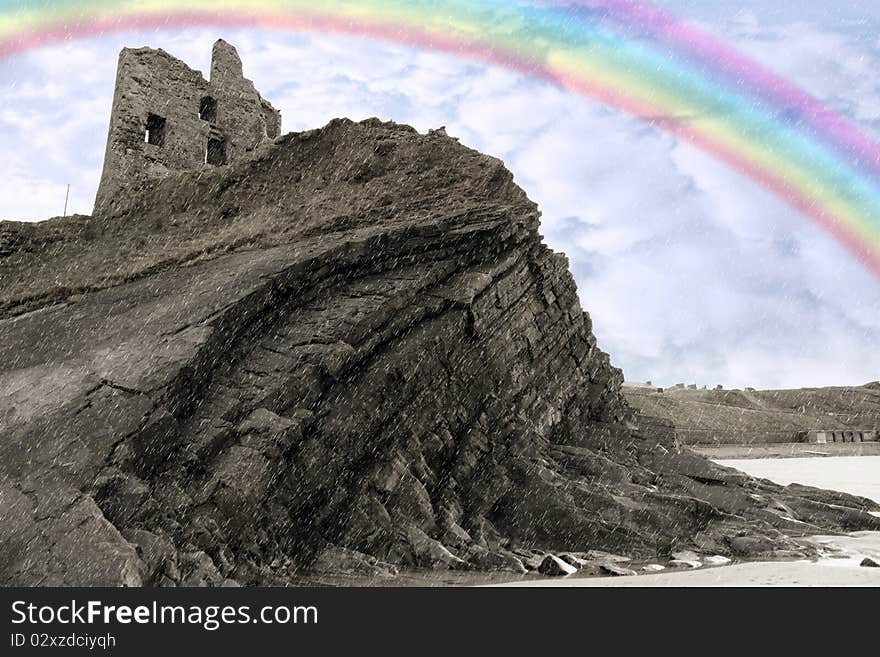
pixel 166 117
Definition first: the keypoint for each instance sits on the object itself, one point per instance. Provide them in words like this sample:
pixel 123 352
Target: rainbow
pixel 627 55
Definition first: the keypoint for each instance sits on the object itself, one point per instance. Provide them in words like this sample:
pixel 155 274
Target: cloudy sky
pixel 691 272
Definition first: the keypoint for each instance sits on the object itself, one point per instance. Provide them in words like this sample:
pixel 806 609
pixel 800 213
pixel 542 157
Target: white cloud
pixel 840 69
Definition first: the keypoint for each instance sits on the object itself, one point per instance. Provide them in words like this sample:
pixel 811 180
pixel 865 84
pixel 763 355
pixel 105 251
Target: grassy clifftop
pixel 735 416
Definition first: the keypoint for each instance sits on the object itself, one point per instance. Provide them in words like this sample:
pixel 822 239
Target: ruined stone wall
pixel 167 118
pixel 840 436
pixel 247 118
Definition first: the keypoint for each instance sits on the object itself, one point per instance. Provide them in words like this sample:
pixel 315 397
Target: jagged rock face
pixel 410 383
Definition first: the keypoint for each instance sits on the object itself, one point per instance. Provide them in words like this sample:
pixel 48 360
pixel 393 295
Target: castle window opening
pixel 208 109
pixel 155 130
pixel 216 152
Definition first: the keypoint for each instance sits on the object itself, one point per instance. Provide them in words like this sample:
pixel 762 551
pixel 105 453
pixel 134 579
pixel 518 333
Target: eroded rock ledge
pixel 351 355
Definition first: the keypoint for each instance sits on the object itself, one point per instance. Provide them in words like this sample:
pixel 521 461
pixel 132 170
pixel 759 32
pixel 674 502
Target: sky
pixel 691 272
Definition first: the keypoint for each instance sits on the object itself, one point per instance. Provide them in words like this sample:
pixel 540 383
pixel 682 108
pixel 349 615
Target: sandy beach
pixel 857 475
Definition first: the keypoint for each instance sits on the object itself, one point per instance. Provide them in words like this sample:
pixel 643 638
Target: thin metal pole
pixel 66 196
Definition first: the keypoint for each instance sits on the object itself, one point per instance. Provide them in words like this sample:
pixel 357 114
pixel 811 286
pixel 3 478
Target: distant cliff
pixel 760 416
pixel 350 353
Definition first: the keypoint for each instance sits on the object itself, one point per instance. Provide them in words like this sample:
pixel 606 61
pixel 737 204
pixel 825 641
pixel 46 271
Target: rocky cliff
pixel 350 354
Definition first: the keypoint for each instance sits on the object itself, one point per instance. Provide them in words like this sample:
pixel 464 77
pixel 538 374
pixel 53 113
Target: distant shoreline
pixel 786 450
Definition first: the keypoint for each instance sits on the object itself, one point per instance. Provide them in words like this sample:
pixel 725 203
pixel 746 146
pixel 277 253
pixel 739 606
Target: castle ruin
pixel 166 118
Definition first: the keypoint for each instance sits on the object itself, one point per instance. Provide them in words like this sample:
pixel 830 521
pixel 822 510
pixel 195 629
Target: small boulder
pixel 607 556
pixel 555 567
pixel 684 563
pixel 616 571
pixel 430 553
pixel 868 562
pixel 716 560
pixel 500 560
pixel 686 555
pixel 653 568
pixel 792 555
pixel 573 560
pixel 751 546
pixel 531 560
